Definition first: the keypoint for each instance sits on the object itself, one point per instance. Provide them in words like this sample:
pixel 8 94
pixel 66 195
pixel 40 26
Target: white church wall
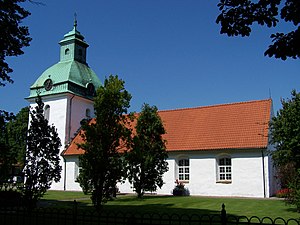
pixel 57 117
pixel 168 177
pixel 247 174
pixel 77 111
pixel 126 187
pixel 66 112
pixel 72 170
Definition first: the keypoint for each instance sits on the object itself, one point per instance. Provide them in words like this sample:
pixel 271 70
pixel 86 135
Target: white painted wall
pixel 247 174
pixel 58 105
pixel 72 168
pixel 76 112
pixel 66 112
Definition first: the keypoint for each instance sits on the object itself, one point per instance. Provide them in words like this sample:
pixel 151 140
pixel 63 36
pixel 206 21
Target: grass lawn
pixel 181 205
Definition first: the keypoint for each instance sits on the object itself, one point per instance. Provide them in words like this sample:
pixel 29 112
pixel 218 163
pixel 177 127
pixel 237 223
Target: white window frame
pixel 47 112
pixel 77 170
pixel 184 170
pixel 224 169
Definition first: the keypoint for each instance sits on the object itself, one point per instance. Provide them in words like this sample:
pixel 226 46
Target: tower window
pixel 80 52
pixel 47 112
pixel 67 51
pixel 88 113
pixel 90 89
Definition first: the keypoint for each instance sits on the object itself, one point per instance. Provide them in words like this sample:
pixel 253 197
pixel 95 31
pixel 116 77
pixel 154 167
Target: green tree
pixel 13 36
pixel 6 157
pixel 147 158
pixel 12 141
pixel 102 164
pixel 17 129
pixel 285 131
pixel 237 17
pixel 12 39
pixel 42 156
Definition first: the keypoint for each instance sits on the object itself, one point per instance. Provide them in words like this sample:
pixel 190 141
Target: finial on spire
pixel 75 21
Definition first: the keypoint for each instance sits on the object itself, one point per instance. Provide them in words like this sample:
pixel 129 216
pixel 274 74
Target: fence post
pixel 75 213
pixel 223 215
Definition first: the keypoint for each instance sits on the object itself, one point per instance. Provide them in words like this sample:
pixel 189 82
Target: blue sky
pixel 169 52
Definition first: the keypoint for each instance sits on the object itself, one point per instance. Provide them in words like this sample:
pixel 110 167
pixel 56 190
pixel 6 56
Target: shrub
pixel 180 190
pixel 293 196
pixel 283 193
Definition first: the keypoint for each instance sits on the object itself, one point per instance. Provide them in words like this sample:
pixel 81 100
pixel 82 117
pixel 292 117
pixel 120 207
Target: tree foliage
pixel 102 164
pixel 147 158
pixel 42 156
pixel 17 129
pixel 285 130
pixel 12 141
pixel 237 17
pixel 6 156
pixel 13 36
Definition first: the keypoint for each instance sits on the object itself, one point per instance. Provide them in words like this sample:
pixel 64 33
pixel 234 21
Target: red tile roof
pixel 241 125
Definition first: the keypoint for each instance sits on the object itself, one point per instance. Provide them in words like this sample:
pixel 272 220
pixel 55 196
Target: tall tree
pixel 285 130
pixel 42 156
pixel 102 164
pixel 12 141
pixel 237 17
pixel 147 158
pixel 12 39
pixel 17 130
pixel 13 36
pixel 6 156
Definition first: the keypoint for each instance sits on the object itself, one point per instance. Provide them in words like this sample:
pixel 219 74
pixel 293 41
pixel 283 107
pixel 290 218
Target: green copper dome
pixel 71 74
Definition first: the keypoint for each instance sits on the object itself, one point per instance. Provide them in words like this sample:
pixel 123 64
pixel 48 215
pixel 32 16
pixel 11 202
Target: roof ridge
pixel 217 105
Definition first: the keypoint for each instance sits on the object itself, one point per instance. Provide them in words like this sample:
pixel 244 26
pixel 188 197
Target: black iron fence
pixel 57 216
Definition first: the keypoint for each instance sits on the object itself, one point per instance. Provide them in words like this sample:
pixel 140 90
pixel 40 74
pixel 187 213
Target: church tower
pixel 67 89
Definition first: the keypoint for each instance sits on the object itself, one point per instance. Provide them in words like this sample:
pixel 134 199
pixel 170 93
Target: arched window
pixel 67 51
pixel 47 112
pixel 184 169
pixel 224 169
pixel 88 113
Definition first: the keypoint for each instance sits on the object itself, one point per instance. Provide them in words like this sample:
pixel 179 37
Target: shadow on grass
pixel 149 213
pixel 157 208
pixel 130 205
pixel 66 204
pixel 292 210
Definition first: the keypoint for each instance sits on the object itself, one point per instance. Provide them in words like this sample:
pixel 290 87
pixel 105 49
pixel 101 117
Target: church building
pixel 220 150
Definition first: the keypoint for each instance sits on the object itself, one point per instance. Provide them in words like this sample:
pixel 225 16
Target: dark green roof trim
pixel 62 88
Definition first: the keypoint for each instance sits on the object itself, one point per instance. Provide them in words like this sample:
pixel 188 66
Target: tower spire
pixel 73 46
pixel 75 21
